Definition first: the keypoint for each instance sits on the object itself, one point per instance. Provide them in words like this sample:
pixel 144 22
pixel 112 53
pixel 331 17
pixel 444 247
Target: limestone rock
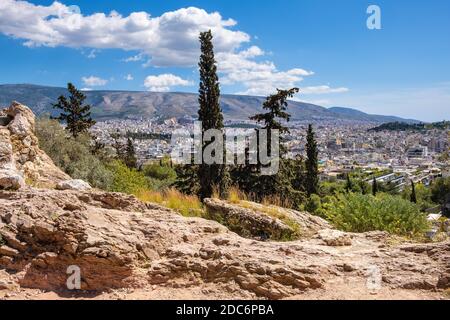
pixel 120 242
pixel 74 184
pixel 21 160
pixel 335 238
pixel 247 222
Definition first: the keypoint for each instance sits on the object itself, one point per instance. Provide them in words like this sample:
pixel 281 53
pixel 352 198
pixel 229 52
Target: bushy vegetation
pixel 423 196
pixel 127 180
pixel 72 154
pixel 161 175
pixel 361 213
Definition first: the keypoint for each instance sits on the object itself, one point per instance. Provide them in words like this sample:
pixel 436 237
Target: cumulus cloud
pixel 93 81
pixel 129 77
pixel 164 82
pixel 168 40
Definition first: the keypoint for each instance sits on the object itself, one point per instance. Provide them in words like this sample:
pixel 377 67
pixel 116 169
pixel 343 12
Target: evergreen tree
pixel 279 184
pixel 130 154
pixel 349 184
pixel 76 115
pixel 118 146
pixel 374 187
pixel 312 166
pixel 210 114
pixel 413 192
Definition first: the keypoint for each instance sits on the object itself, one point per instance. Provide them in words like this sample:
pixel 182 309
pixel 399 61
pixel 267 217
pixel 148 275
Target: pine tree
pixel 210 114
pixel 413 192
pixel 312 166
pixel 374 187
pixel 279 184
pixel 76 115
pixel 130 154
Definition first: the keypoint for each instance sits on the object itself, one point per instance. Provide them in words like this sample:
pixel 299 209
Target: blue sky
pixel 322 46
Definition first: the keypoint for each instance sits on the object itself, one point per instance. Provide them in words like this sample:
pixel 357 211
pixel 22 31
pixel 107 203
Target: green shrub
pixel 161 176
pixel 313 204
pixel 423 196
pixel 72 155
pixel 127 180
pixel 440 190
pixel 361 213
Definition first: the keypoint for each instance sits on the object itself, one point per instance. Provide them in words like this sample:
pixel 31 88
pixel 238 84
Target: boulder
pixel 74 184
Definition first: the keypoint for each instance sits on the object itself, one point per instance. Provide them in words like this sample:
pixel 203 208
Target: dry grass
pixel 235 195
pixel 188 206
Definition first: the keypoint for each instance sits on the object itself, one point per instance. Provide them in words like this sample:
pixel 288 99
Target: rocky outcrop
pixel 120 242
pixel 21 160
pixel 253 220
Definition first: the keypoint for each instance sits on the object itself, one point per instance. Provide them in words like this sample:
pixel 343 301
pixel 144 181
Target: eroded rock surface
pixel 120 242
pixel 253 220
pixel 21 160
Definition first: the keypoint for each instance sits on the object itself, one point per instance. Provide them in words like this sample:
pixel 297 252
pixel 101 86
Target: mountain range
pixel 136 104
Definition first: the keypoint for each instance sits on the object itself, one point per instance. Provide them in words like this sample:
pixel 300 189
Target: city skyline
pixel 324 48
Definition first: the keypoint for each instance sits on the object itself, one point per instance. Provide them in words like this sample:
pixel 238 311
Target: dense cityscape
pixel 398 156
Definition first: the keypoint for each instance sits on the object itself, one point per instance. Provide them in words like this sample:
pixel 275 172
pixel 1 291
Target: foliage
pixel 403 126
pixel 313 204
pixel 187 179
pixel 312 167
pixel 127 180
pixel 440 193
pixel 160 175
pixel 374 187
pixel 440 190
pixel 413 197
pixel 361 213
pixel 72 154
pixel 130 154
pixel 76 115
pixel 211 116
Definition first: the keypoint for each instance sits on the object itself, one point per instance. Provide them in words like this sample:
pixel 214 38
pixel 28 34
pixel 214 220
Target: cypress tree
pixel 413 192
pixel 130 154
pixel 76 115
pixel 349 184
pixel 312 165
pixel 210 114
pixel 374 187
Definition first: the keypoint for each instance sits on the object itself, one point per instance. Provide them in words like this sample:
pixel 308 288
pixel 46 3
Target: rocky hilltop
pixel 127 249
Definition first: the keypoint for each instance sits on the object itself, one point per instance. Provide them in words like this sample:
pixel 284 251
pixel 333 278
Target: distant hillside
pixel 402 126
pixel 359 115
pixel 134 104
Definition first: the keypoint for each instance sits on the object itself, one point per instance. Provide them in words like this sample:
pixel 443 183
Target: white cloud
pixel 138 57
pixel 322 90
pixel 86 89
pixel 93 81
pixel 170 39
pixel 164 82
pixel 128 77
